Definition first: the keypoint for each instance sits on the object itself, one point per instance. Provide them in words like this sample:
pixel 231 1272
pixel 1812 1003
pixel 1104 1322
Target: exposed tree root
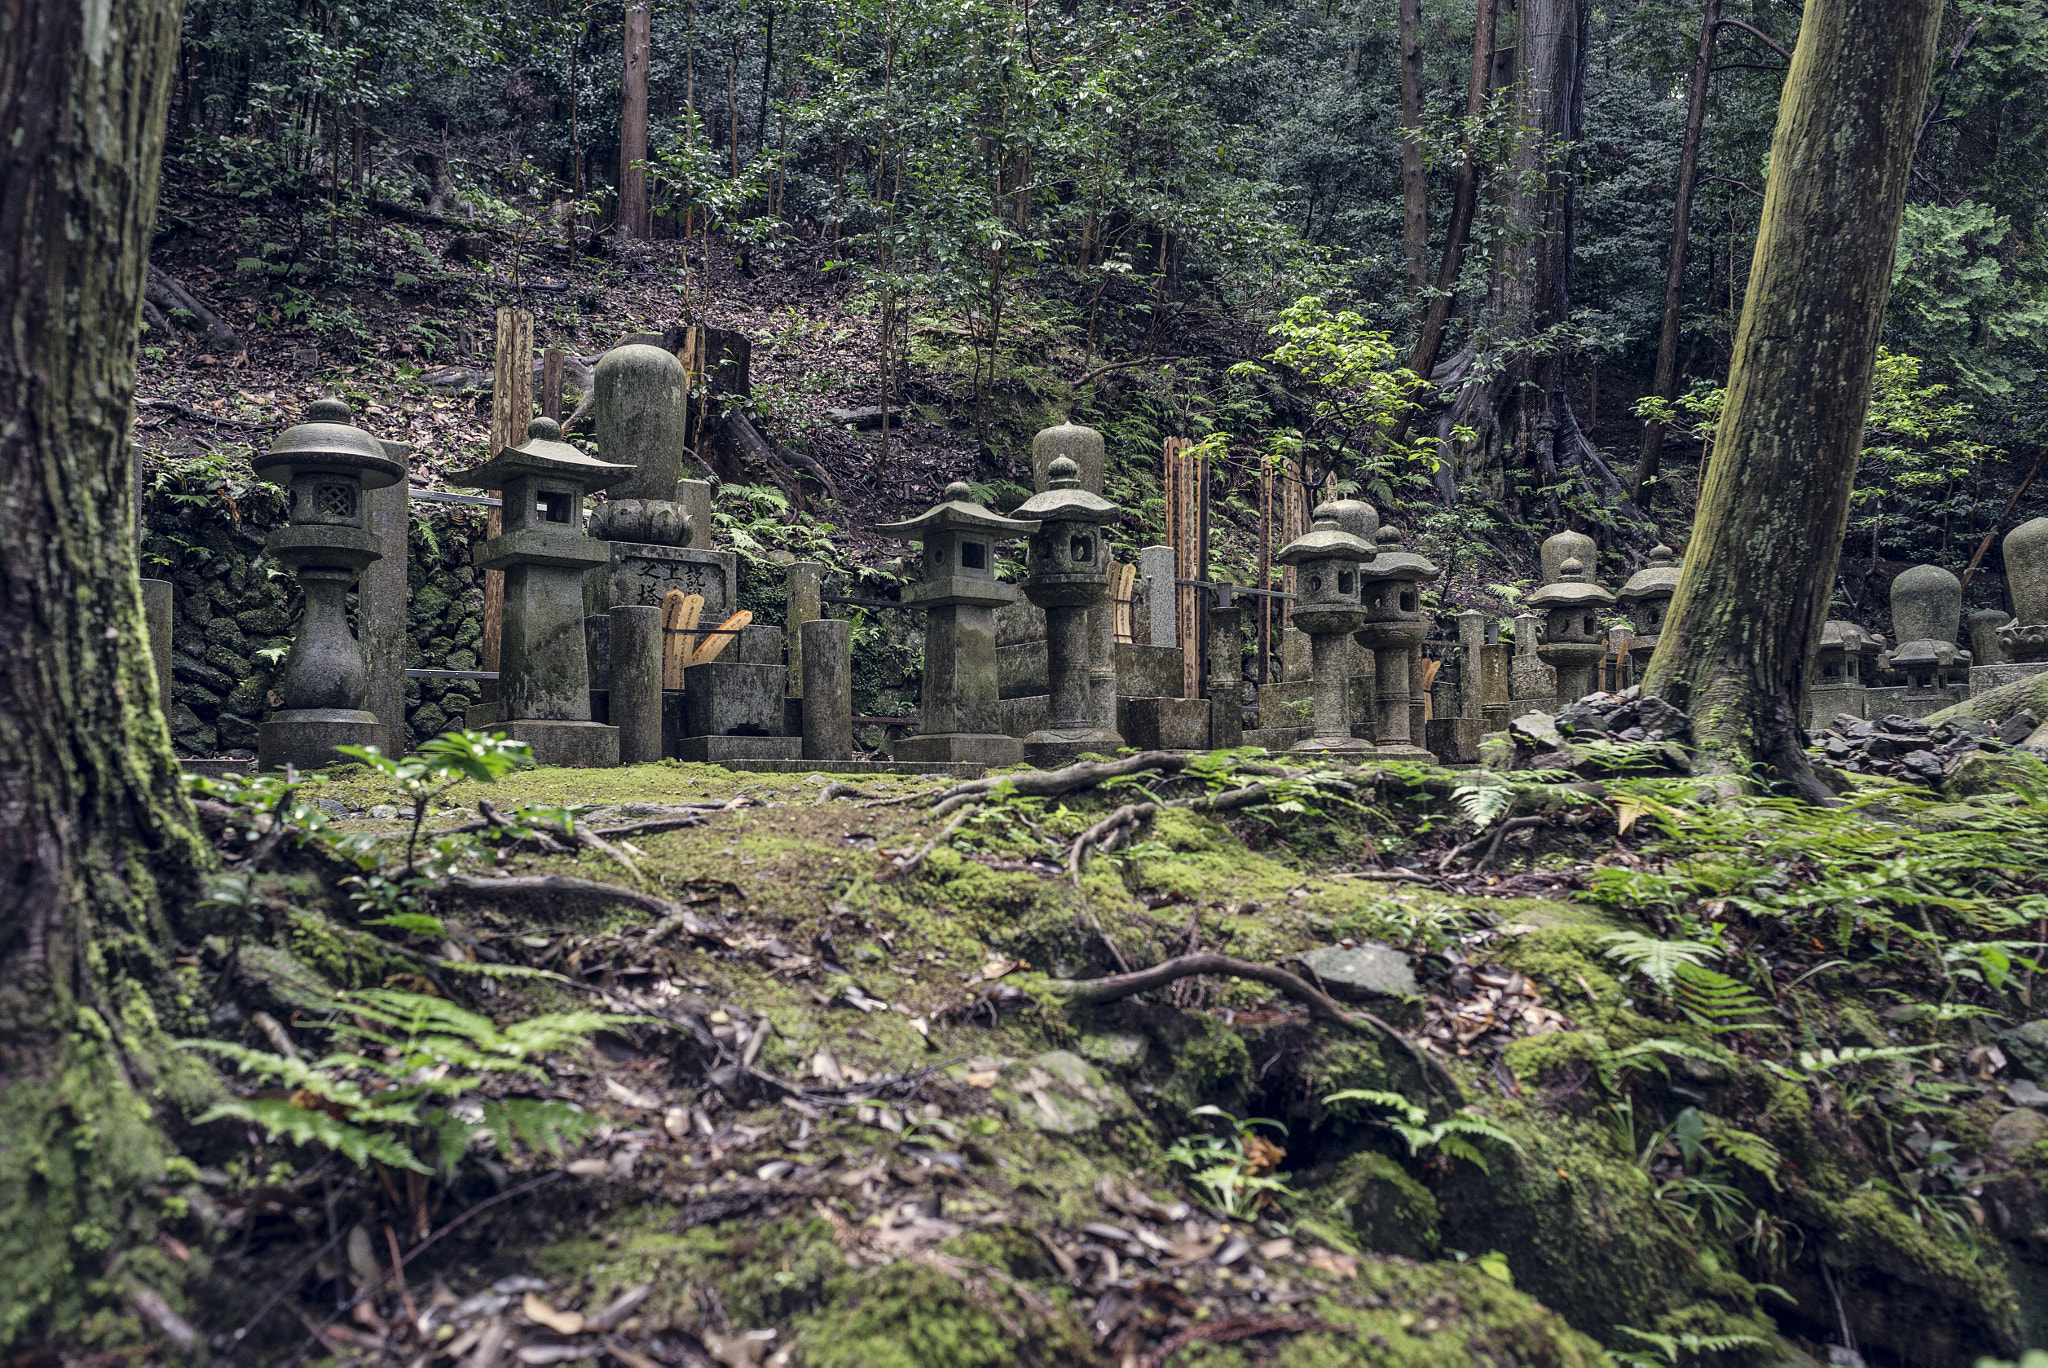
pixel 556 888
pixel 167 294
pixel 1074 778
pixel 1107 834
pixel 1321 1005
pixel 1491 840
pixel 907 864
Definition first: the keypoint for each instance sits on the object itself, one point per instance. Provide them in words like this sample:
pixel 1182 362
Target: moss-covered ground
pixel 1731 1077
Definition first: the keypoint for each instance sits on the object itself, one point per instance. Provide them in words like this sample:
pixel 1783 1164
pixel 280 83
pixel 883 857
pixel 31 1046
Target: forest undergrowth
pixel 682 1066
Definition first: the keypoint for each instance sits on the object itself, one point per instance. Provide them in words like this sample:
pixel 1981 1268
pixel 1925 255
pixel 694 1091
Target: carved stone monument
pixel 544 672
pixel 959 593
pixel 1927 615
pixel 1646 598
pixel 329 465
pixel 1326 561
pixel 1068 560
pixel 1394 626
pixel 1572 637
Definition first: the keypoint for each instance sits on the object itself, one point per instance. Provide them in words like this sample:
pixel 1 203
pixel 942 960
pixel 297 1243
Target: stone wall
pixel 231 606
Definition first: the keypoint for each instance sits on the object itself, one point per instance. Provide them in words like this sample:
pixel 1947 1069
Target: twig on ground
pixel 1490 839
pixel 1107 834
pixel 908 864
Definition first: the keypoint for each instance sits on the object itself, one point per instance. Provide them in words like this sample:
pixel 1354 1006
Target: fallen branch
pixel 1490 839
pixel 168 295
pixel 1074 778
pixel 197 415
pixel 1321 1006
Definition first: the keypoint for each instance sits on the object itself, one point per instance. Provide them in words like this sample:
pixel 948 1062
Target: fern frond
pixel 1656 960
pixel 1714 1000
pixel 1392 1100
pixel 1482 803
pixel 1825 1061
pixel 309 1127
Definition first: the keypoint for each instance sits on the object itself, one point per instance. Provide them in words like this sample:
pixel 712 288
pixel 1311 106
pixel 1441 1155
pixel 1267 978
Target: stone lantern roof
pixel 1658 579
pixel 329 441
pixel 1325 540
pixel 1066 501
pixel 957 512
pixel 1572 590
pixel 544 454
pixel 1391 562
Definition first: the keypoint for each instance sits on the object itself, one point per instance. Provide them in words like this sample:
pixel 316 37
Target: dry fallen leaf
pixel 984 1079
pixel 561 1322
pixel 1343 1265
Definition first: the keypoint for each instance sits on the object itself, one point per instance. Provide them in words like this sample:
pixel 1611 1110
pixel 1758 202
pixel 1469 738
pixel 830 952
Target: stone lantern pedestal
pixel 544 672
pixel 1646 598
pixel 1572 640
pixel 961 719
pixel 1069 575
pixel 1394 626
pixel 1326 561
pixel 329 465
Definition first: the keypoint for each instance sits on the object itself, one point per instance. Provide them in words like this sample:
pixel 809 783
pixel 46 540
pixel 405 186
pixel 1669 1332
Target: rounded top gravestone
pixel 1355 516
pixel 642 399
pixel 2026 571
pixel 1927 612
pixel 1560 547
pixel 1081 445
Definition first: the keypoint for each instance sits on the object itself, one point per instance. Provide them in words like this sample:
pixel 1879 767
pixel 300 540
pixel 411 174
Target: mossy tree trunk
pixel 98 847
pixel 1739 646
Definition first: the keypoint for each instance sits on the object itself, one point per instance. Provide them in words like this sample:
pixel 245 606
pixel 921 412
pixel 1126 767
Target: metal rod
pixel 861 602
pixel 436 496
pixel 886 721
pixel 451 674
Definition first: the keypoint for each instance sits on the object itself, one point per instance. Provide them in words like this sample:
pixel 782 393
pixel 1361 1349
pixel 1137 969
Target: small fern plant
pixel 1669 1347
pixel 1453 1136
pixel 1703 995
pixel 404 1088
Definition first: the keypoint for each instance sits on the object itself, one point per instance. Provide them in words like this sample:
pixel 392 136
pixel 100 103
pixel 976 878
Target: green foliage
pixel 406 1085
pixel 1671 1346
pixel 442 763
pixel 1235 1169
pixel 1452 1136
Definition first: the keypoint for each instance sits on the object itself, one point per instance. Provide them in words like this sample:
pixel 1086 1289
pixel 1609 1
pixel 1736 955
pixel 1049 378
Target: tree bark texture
pixel 98 845
pixel 1414 179
pixel 633 218
pixel 1738 648
pixel 1463 204
pixel 1666 386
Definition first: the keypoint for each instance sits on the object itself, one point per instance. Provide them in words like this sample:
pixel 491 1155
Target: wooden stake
pixel 551 384
pixel 511 411
pixel 1264 673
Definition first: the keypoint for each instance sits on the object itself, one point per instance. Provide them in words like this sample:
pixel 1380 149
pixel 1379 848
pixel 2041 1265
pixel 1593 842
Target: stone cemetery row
pixel 620 643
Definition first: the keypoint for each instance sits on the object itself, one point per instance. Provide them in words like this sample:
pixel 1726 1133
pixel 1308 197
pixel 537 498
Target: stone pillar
pixel 1295 664
pixel 1495 693
pixel 382 601
pixel 827 654
pixel 1102 666
pixel 694 496
pixel 1155 567
pixel 1618 639
pixel 1226 685
pixel 1418 700
pixel 805 582
pixel 635 675
pixel 1471 637
pixel 1532 684
pixel 641 395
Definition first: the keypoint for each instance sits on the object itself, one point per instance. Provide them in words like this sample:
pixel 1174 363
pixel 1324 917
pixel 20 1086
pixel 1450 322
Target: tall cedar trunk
pixel 1466 200
pixel 633 221
pixel 97 844
pixel 1738 648
pixel 1414 180
pixel 1517 409
pixel 1651 460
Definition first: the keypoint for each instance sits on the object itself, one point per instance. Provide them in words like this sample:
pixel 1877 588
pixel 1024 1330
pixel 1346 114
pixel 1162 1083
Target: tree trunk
pixel 1648 464
pixel 633 222
pixel 97 841
pixel 1466 200
pixel 1738 648
pixel 1414 180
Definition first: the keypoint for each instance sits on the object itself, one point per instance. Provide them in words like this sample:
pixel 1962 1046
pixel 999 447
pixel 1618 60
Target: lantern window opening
pixel 1081 549
pixel 551 505
pixel 1345 580
pixel 334 501
pixel 973 555
pixel 1588 626
pixel 1408 602
pixel 937 552
pixel 1315 584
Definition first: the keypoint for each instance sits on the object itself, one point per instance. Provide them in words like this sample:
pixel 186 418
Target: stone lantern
pixel 1572 641
pixel 328 465
pixel 1394 628
pixel 1838 673
pixel 1646 598
pixel 1927 614
pixel 2025 638
pixel 959 593
pixel 544 673
pixel 1326 561
pixel 1068 559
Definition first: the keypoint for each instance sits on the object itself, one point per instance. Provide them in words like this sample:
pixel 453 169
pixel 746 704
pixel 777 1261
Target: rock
pixel 2017 728
pixel 863 419
pixel 1370 973
pixel 1535 731
pixel 2017 1131
pixel 2022 1093
pixel 1983 772
pixel 2026 1045
pixel 284 977
pixel 1061 1093
pixel 1114 1051
pixel 1922 765
pixel 1905 726
pixel 383 812
pixel 235 732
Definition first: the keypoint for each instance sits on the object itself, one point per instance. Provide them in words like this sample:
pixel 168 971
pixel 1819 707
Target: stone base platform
pixel 1025 715
pixel 585 745
pixel 1276 738
pixel 216 769
pixel 1455 739
pixel 305 738
pixel 718 750
pixel 1164 723
pixel 959 769
pixel 1985 678
pixel 1900 701
pixel 960 748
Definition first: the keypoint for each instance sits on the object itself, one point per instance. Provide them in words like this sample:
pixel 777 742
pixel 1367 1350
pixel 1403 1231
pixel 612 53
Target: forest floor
pixel 1650 1069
